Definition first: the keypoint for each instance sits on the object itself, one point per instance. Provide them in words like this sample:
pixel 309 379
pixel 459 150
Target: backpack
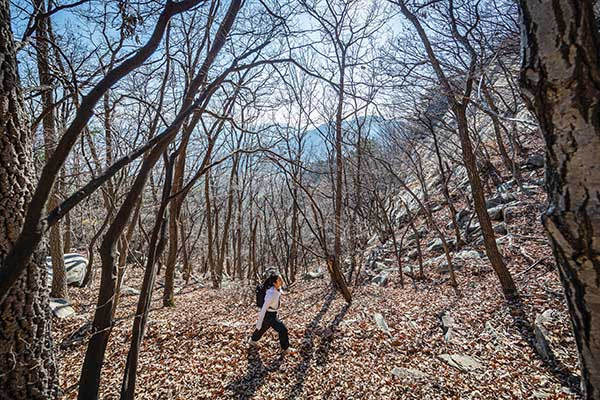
pixel 260 291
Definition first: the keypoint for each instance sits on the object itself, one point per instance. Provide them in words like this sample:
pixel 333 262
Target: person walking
pixel 267 316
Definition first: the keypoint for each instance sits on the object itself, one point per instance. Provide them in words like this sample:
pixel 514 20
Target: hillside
pixel 198 349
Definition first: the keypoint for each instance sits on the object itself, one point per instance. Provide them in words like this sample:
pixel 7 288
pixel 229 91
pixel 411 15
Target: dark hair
pixel 271 278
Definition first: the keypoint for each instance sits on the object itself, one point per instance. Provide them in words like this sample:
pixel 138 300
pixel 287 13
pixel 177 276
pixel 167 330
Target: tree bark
pixel 26 355
pixel 560 78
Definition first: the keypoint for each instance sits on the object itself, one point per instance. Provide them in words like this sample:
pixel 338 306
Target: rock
pixel 472 228
pixel 462 217
pixel 381 278
pixel 462 362
pixel 412 271
pixel 502 198
pixel 447 326
pixel 61 308
pixel 420 232
pixel 413 254
pixel 400 372
pixel 441 264
pixel 496 213
pixel 318 274
pixel 542 342
pixel 373 241
pixel 535 161
pixel 506 186
pixel 379 266
pixel 129 291
pixel 436 245
pixel 468 255
pixel 381 324
pixel 500 229
pixel 75 266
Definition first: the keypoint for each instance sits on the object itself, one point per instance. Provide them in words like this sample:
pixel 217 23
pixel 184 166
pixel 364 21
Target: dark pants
pixel 271 321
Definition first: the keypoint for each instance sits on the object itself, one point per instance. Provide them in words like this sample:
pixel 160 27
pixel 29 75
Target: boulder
pixel 462 362
pixel 506 186
pixel 468 255
pixel 436 245
pixel 317 274
pixel 500 229
pixel 496 213
pixel 400 372
pixel 448 325
pixel 381 324
pixel 381 278
pixel 379 266
pixel 535 161
pixel 502 198
pixel 129 291
pixel 413 254
pixel 61 308
pixel 542 336
pixel 75 266
pixel 462 217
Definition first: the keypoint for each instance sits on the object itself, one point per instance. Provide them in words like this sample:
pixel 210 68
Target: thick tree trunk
pixel 27 365
pixel 560 77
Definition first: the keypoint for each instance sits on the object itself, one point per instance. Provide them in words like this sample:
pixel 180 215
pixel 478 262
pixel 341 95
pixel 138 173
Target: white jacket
pixel 271 304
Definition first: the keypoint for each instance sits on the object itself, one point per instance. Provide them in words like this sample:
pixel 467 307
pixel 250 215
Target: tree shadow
pixel 550 363
pixel 245 386
pixel 307 347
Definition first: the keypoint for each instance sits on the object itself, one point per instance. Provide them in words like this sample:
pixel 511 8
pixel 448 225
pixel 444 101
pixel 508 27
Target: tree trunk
pixel 336 267
pixel 560 78
pixel 59 275
pixel 26 355
pixel 491 248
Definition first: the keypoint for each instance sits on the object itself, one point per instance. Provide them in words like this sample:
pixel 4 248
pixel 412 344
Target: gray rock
pixel 500 229
pixel 506 186
pixel 75 266
pixel 400 372
pixel 381 324
pixel 542 341
pixel 379 266
pixel 502 198
pixel 462 217
pixel 61 308
pixel 473 228
pixel 448 325
pixel 462 362
pixel 496 213
pixel 129 291
pixel 468 255
pixel 381 278
pixel 441 264
pixel 436 245
pixel 535 161
pixel 318 274
pixel 413 254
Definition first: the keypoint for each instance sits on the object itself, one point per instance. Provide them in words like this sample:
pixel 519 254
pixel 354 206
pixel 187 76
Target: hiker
pixel 267 317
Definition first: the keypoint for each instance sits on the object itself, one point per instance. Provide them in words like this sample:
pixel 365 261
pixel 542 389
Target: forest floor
pixel 198 349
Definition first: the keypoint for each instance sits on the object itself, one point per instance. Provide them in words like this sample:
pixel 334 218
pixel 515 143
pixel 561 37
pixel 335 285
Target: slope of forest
pixel 423 175
pixel 199 349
